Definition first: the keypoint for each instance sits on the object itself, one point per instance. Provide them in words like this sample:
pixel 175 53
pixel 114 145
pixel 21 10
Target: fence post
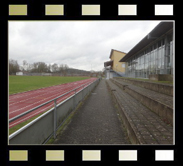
pixel 55 117
pixel 74 98
pixel 82 93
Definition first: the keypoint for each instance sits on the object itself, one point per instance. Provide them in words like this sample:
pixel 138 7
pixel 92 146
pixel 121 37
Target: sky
pixel 83 45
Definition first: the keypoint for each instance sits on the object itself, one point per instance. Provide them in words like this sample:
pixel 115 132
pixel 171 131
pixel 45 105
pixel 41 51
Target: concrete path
pixel 96 122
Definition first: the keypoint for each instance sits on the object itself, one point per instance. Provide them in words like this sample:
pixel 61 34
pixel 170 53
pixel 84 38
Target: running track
pixel 22 102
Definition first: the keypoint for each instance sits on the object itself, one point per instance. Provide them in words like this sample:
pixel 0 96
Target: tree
pixel 54 68
pixel 39 67
pixel 42 67
pixel 49 68
pixel 13 66
pixel 63 69
pixel 66 67
pixel 29 67
pixel 25 65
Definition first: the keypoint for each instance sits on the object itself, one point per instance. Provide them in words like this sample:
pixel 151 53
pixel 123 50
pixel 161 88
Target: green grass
pixel 25 83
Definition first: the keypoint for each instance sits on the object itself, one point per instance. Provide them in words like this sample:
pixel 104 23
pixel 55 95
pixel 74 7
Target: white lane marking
pixel 38 112
pixel 28 117
pixel 12 97
pixel 45 108
pixel 56 89
pixel 33 103
pixel 42 89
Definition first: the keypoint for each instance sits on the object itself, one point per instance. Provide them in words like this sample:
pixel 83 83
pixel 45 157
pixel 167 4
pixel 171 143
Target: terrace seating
pixel 147 114
pixel 159 103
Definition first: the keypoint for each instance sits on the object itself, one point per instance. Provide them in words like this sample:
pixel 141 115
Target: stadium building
pixel 114 68
pixel 153 55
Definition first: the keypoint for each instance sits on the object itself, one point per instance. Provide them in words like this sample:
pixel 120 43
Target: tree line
pixel 42 67
pixel 37 67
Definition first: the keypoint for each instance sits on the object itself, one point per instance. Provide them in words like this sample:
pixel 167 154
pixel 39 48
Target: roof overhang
pixel 108 63
pixel 158 31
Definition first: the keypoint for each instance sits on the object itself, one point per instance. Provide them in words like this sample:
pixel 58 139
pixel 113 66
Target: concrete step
pixel 163 88
pixel 143 126
pixel 159 103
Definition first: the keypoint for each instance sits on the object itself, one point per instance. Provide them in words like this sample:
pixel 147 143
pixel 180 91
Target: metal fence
pixel 46 125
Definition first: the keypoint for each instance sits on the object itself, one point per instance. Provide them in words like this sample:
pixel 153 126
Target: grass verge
pixel 66 122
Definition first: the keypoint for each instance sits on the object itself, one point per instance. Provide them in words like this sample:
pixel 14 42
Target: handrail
pixel 20 115
pixel 53 109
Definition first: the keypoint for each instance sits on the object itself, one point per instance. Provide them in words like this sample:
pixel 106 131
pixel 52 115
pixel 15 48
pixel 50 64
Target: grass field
pixel 25 83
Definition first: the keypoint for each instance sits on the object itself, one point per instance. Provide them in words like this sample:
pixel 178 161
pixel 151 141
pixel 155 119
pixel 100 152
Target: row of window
pixel 148 57
pixel 156 59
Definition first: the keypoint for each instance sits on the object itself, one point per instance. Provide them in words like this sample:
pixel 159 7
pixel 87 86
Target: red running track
pixel 22 102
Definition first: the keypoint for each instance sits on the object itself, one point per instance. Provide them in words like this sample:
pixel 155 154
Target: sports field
pixel 25 83
pixel 21 102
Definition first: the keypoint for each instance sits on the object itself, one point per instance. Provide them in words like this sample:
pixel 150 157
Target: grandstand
pixel 114 68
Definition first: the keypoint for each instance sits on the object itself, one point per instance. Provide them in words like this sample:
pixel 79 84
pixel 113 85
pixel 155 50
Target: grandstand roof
pixel 108 63
pixel 158 31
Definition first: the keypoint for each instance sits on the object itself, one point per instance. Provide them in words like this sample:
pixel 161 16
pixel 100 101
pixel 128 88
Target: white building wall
pixel 19 73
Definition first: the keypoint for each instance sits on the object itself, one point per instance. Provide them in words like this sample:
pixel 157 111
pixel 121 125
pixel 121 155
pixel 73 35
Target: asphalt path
pixel 96 122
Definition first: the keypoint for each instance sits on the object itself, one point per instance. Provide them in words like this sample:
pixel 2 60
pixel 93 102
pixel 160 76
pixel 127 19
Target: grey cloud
pixel 79 44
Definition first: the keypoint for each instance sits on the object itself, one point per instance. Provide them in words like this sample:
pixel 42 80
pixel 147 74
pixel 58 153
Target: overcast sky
pixel 79 44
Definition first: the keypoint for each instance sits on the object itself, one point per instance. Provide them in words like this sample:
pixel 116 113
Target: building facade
pixel 153 54
pixel 19 73
pixel 117 66
pixel 113 67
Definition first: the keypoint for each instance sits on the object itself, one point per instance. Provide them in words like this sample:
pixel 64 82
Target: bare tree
pixel 30 67
pixel 66 67
pixel 49 68
pixel 13 66
pixel 42 67
pixel 54 68
pixel 25 65
pixel 63 69
pixel 39 67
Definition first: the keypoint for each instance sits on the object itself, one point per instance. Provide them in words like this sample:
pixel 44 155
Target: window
pixel 152 56
pixel 123 65
pixel 159 63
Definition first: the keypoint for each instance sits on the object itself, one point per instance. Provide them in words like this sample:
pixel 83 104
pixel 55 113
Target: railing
pixel 58 116
pixel 20 115
pixel 119 72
